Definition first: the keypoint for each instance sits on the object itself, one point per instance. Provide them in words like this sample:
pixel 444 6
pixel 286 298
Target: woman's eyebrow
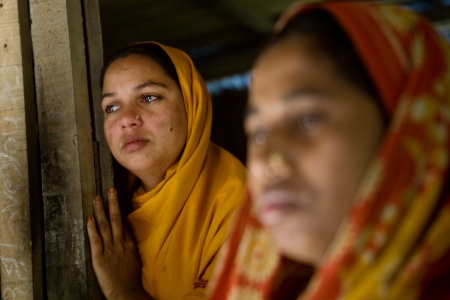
pixel 139 87
pixel 249 111
pixel 305 92
pixel 108 95
pixel 149 83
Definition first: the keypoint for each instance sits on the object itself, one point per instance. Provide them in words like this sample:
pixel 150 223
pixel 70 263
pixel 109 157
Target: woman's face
pixel 311 136
pixel 145 117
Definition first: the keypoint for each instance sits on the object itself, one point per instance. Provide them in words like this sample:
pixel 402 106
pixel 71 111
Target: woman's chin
pixel 296 244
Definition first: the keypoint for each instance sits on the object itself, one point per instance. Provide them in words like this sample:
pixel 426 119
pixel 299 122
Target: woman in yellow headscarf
pixel 349 160
pixel 157 125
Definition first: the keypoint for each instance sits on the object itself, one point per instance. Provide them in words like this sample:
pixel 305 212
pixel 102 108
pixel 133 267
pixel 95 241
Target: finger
pixel 94 238
pixel 115 217
pixel 127 235
pixel 128 239
pixel 102 222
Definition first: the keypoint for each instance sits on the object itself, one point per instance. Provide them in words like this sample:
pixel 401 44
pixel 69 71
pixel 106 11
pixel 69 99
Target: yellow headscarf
pixel 181 224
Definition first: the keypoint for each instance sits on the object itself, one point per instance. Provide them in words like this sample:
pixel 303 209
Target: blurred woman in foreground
pixel 349 152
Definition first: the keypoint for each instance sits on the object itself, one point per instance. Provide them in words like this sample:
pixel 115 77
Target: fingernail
pixel 89 218
pixel 98 199
pixel 112 191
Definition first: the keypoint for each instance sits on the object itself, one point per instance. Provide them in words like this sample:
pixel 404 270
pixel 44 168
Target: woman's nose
pixel 277 165
pixel 273 156
pixel 131 118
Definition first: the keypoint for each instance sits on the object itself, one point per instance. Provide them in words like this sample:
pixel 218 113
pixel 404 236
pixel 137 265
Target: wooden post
pixel 104 177
pixel 66 145
pixel 20 230
pixel 102 155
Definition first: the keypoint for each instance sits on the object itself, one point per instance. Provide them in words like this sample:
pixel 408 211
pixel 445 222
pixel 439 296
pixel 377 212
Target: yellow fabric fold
pixel 181 224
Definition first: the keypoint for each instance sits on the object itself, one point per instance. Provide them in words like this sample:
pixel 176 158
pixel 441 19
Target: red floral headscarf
pixel 395 241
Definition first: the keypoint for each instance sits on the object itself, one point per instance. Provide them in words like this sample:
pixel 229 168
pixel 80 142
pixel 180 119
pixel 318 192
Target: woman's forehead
pixel 290 55
pixel 287 75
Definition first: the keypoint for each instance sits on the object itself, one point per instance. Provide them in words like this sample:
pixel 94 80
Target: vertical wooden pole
pixel 66 145
pixel 102 155
pixel 94 44
pixel 20 231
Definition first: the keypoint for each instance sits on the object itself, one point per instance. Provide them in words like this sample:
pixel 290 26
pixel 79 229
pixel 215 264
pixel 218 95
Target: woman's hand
pixel 115 258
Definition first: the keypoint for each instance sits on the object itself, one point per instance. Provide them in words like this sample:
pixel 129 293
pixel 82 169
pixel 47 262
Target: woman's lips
pixel 277 205
pixel 132 144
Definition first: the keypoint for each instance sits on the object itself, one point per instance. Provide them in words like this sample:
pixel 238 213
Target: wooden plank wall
pixel 66 139
pixel 20 246
pixel 104 180
pixel 47 177
pixel 102 155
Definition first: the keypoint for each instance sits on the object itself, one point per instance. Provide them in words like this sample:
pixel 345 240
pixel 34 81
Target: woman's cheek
pixel 256 174
pixel 110 137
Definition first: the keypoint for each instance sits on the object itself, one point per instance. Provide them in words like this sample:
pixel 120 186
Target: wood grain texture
pixel 102 155
pixel 95 62
pixel 17 155
pixel 65 136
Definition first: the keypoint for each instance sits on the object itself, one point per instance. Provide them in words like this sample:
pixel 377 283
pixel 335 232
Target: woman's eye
pixel 111 108
pixel 149 98
pixel 258 138
pixel 309 121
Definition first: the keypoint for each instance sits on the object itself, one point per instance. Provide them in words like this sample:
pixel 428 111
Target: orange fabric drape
pixel 394 243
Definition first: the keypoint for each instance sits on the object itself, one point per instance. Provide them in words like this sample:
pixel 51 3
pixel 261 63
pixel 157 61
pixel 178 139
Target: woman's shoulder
pixel 225 175
pixel 224 160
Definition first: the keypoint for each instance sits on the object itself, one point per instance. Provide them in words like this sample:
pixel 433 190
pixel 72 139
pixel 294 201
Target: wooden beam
pixel 65 136
pixel 104 178
pixel 95 62
pixel 20 230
